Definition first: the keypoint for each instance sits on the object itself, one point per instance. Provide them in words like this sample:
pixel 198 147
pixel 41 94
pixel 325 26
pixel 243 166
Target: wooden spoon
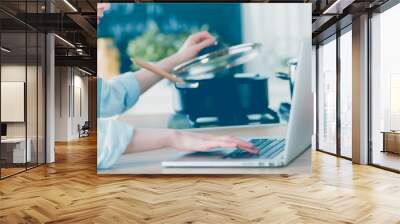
pixel 159 71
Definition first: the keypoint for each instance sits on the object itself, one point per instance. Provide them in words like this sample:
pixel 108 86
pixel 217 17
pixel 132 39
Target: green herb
pixel 154 45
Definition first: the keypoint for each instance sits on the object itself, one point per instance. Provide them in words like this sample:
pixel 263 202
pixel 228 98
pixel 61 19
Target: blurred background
pixel 154 31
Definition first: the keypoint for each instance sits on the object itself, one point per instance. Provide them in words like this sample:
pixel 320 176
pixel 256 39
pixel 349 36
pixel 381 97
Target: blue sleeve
pixel 113 138
pixel 117 95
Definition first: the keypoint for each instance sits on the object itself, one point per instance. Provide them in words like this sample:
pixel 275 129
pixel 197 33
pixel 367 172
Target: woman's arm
pixel 117 95
pixel 192 46
pixel 117 137
pixel 149 139
pixel 121 93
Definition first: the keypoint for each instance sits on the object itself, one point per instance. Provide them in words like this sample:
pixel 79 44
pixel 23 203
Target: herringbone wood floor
pixel 69 191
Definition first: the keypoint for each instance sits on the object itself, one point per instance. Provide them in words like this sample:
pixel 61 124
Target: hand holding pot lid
pixel 218 60
pixel 194 44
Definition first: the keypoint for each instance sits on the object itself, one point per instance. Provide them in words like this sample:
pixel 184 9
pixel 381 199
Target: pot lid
pixel 218 60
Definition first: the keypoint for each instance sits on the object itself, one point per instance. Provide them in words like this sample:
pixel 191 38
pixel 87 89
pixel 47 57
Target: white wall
pixel 62 81
pixel 281 29
pixel 70 84
pixel 79 117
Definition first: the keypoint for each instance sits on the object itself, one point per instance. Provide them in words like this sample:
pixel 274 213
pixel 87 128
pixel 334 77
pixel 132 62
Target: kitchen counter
pixel 175 120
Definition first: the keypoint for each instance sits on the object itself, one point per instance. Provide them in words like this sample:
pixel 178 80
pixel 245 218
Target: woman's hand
pixel 194 44
pixel 192 141
pixel 146 139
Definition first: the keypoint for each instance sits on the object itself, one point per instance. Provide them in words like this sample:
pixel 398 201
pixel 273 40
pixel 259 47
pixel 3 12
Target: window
pixel 385 89
pixel 327 97
pixel 394 101
pixel 346 94
pixel 334 106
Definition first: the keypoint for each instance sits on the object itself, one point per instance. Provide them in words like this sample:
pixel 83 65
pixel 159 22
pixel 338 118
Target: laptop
pixel 273 152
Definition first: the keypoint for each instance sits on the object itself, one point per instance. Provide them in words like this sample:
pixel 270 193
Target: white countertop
pixel 13 140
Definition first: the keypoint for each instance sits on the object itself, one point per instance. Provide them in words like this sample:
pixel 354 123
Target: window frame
pixel 379 10
pixel 334 37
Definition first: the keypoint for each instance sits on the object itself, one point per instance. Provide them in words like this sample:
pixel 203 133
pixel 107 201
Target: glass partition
pixel 22 90
pixel 14 153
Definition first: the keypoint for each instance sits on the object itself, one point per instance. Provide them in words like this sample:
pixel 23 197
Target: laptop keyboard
pixel 268 149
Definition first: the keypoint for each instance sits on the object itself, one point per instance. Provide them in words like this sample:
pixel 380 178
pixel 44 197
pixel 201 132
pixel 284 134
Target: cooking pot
pixel 214 88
